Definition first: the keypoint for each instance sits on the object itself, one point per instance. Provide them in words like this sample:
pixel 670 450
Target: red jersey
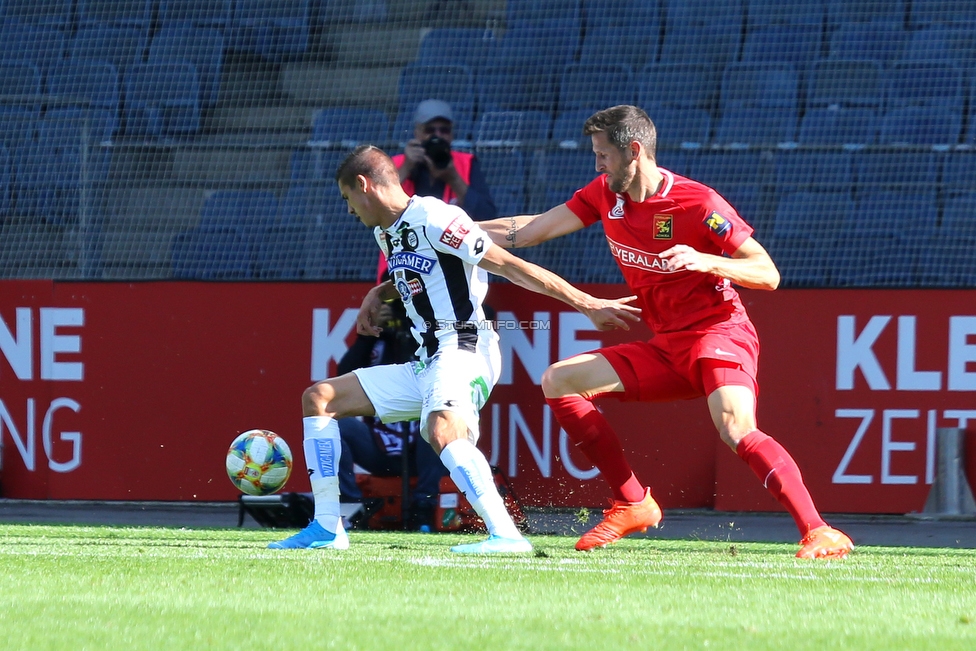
pixel 682 212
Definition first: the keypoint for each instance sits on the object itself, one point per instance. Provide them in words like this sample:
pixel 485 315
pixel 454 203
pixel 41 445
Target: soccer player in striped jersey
pixel 438 260
pixel 679 246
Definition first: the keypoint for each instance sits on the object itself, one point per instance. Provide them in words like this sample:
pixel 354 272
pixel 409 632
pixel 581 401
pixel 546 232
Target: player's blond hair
pixel 369 161
pixel 623 125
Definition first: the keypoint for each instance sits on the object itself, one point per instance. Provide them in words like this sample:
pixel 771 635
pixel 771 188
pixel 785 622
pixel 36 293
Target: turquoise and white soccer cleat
pixel 495 545
pixel 314 536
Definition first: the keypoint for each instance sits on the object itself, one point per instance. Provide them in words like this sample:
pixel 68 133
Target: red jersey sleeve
pixel 586 203
pixel 722 223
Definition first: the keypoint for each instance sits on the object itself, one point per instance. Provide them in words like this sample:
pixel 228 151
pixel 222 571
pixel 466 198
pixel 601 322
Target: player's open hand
pixel 368 321
pixel 682 256
pixel 609 314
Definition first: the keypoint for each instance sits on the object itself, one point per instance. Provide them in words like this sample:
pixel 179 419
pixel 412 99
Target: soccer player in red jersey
pixel 680 246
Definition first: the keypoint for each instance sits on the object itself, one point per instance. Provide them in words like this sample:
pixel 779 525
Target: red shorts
pixel 685 365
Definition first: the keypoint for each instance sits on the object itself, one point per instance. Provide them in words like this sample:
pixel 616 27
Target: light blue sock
pixel 472 475
pixel 322 451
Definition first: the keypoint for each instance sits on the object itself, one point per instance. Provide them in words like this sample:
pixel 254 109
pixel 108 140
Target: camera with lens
pixel 438 151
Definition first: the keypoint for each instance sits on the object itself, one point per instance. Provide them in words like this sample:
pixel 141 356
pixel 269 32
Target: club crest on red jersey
pixel 719 225
pixel 663 227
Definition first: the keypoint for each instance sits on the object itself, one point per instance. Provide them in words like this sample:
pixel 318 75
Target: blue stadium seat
pixel 761 13
pixel 203 47
pixel 803 235
pixel 96 82
pixel 741 176
pixel 453 84
pixel 340 231
pixel 595 86
pixel 759 85
pixel 568 127
pixel 920 125
pixel 522 71
pixel 896 212
pixel 865 11
pixel 895 170
pixel 800 213
pixel 711 44
pixel 18 83
pixel 532 12
pixel 959 173
pixel 211 13
pixel 310 165
pixel 681 85
pixel 506 175
pixel 958 219
pixel 948 44
pixel 622 44
pixel 350 127
pixel 838 126
pixel 720 12
pixel 855 83
pixel 583 256
pixel 162 99
pixel 120 13
pixel 53 13
pixel 945 259
pixel 946 12
pixel 123 47
pixel 679 126
pixel 280 255
pixel 756 126
pixel 60 138
pixel 814 171
pixel 794 44
pixel 274 29
pixel 645 13
pixel 6 181
pixel 512 126
pixel 250 210
pixel 467 46
pixel 211 253
pixel 884 42
pixel 562 172
pixel 926 83
pixel 38 45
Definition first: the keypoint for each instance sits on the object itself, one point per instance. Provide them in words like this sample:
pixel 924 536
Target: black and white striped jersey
pixel 432 252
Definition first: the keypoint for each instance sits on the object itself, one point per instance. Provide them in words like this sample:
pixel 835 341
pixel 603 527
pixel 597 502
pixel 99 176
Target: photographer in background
pixel 430 168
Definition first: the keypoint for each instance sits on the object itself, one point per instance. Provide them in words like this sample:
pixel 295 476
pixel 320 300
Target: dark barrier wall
pixel 133 391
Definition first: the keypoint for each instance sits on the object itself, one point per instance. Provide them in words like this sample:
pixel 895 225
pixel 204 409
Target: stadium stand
pixel 784 107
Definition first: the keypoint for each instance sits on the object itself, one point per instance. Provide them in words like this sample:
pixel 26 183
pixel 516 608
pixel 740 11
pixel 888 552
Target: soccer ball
pixel 259 462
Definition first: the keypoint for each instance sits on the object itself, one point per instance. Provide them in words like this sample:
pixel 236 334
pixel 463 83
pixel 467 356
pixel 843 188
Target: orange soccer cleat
pixel 825 542
pixel 621 519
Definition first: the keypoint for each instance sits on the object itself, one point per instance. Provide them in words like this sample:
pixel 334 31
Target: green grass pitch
pixel 105 588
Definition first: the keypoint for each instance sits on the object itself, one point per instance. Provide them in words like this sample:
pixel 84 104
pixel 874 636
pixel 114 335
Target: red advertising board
pixel 134 390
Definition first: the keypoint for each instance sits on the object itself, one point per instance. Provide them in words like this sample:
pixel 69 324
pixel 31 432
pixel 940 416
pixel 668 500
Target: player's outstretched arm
pixel 528 230
pixel 750 266
pixel 366 321
pixel 606 314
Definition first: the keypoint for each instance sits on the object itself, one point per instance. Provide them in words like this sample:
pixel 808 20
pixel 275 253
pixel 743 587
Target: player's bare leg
pixel 323 403
pixel 733 409
pixel 569 387
pixel 449 436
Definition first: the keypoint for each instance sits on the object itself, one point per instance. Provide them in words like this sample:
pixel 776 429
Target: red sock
pixel 592 434
pixel 780 475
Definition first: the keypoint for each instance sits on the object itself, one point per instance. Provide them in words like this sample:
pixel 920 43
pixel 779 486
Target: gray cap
pixel 431 109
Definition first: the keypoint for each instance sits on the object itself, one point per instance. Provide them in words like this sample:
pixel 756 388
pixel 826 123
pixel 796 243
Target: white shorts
pixel 454 380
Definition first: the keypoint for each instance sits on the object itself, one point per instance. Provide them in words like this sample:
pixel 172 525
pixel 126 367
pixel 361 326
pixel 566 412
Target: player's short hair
pixel 623 125
pixel 369 161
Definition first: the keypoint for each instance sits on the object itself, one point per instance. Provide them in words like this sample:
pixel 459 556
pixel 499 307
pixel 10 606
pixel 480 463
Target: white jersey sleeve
pixel 455 233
